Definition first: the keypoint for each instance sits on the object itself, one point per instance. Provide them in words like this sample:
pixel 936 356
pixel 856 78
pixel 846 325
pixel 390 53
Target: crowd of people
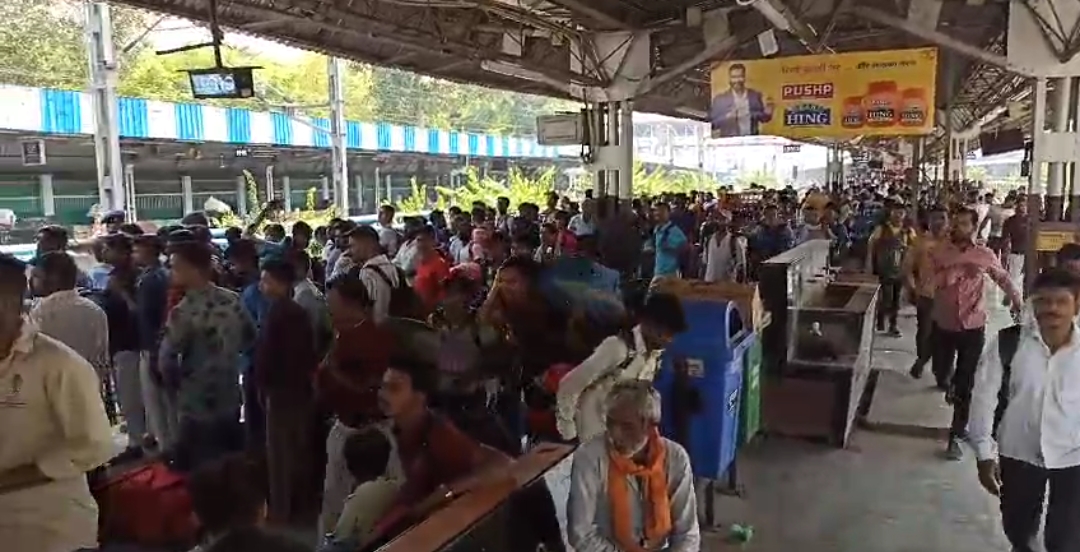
pixel 284 371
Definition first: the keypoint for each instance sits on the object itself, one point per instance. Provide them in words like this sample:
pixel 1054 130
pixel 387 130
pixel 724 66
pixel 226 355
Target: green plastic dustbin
pixel 750 415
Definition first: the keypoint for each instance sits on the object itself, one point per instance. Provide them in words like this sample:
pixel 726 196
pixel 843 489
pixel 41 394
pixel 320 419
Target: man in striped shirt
pixel 66 316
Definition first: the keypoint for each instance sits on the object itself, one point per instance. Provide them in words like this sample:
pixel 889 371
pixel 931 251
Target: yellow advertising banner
pixel 826 96
pixel 1052 240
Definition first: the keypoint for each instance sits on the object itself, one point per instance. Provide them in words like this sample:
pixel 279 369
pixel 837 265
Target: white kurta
pixel 51 416
pixel 582 393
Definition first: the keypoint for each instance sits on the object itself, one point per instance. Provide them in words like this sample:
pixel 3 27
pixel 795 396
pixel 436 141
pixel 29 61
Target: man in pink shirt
pixel 959 315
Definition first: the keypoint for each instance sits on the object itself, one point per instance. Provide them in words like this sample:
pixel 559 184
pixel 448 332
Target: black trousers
pixel 202 441
pixel 964 347
pixel 889 306
pixel 1023 492
pixel 924 344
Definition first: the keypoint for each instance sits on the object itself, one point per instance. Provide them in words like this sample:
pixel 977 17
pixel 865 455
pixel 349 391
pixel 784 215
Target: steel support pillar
pixel 958 146
pixel 129 192
pixel 614 167
pixel 268 185
pixel 103 77
pixel 624 59
pixel 286 192
pixel 1058 107
pixel 241 196
pixel 358 184
pixel 1074 190
pixel 1036 186
pixel 187 196
pixel 377 181
pixel 915 178
pixel 48 200
pixel 339 159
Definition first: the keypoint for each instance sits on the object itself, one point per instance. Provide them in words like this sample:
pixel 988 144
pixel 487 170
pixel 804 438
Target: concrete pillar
pixel 45 192
pixel 325 187
pixel 129 193
pixel 286 192
pixel 103 78
pixel 358 183
pixel 1036 187
pixel 186 194
pixel 241 196
pixel 339 155
pixel 377 181
pixel 269 184
pixel 1074 190
pixel 1055 185
pixel 625 165
pixel 389 189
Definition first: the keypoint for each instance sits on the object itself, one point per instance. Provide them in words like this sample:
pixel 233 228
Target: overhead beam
pixel 609 21
pixel 372 30
pixel 706 55
pixel 941 39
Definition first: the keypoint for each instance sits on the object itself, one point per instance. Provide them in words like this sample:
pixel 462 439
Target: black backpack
pixel 404 302
pixel 1008 343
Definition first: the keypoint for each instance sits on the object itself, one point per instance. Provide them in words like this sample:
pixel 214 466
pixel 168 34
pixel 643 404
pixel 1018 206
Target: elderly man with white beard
pixel 632 490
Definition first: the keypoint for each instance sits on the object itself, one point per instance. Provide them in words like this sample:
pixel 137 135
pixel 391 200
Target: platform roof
pixel 452 39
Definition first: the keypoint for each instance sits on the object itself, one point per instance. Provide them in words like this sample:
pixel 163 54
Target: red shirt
pixel 430 276
pixel 958 284
pixel 173 296
pixel 349 379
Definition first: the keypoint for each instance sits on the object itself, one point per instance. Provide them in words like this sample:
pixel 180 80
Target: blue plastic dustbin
pixel 713 346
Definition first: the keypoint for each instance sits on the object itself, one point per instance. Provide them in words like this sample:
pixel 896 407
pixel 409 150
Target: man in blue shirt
pixel 669 242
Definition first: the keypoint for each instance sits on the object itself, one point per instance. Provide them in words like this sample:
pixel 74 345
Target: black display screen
pixel 223 82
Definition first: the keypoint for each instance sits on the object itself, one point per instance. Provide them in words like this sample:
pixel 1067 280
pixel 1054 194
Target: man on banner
pixel 739 111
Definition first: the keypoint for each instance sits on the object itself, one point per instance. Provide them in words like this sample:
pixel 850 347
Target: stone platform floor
pixel 891 490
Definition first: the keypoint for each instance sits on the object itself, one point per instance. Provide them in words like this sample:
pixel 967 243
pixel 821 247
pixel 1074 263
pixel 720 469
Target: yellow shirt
pixel 917 261
pixel 51 416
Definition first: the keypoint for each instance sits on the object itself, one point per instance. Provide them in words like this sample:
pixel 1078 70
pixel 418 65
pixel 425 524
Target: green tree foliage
pixel 759 177
pixel 519 187
pixel 42 43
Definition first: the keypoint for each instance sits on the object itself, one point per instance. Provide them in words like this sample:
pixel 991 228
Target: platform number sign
pixel 33 152
pixel 792 148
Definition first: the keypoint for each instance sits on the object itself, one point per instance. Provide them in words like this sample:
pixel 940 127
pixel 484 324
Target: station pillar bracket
pixel 339 160
pixel 624 59
pixel 103 78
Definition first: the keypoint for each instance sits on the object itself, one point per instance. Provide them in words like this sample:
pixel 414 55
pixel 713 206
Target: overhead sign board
pixel 561 129
pixel 33 152
pixel 826 96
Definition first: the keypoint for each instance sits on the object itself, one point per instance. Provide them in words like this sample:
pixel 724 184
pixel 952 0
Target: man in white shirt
pixel 998 214
pixel 981 205
pixel 1036 411
pixel 66 316
pixel 54 430
pixel 724 254
pixel 388 237
pixel 379 275
pixel 582 392
pixel 584 223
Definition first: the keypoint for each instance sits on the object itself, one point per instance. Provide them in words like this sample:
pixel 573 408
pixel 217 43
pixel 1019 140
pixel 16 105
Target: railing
pixel 484 520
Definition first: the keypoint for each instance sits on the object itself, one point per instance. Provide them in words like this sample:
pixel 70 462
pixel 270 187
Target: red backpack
pixel 149 505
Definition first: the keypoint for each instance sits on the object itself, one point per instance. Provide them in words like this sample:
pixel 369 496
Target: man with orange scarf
pixel 632 490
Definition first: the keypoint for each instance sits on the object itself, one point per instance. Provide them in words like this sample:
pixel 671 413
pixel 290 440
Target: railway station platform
pixel 891 490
